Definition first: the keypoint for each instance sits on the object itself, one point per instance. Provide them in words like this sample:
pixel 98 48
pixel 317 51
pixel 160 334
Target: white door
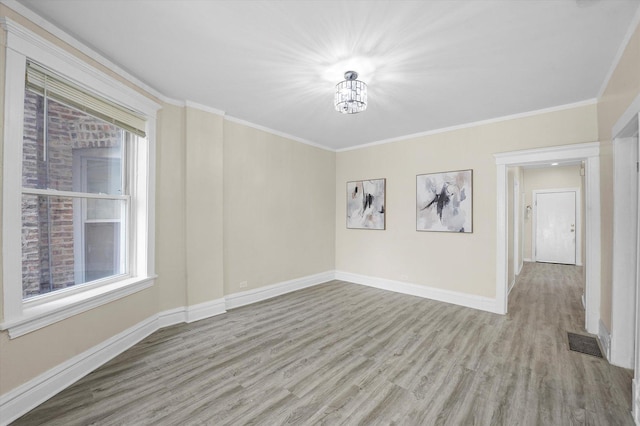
pixel 556 227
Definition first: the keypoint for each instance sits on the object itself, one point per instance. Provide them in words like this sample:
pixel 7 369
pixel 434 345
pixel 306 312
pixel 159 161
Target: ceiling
pixel 429 64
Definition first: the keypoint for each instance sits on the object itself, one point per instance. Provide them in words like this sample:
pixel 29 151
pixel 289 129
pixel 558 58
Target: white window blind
pixel 44 82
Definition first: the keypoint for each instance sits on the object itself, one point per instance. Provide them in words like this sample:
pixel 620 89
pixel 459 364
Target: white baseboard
pixel 205 310
pixel 24 398
pixel 635 398
pixel 513 284
pixel 236 300
pixel 578 262
pixel 605 339
pixel 462 299
pixel 172 317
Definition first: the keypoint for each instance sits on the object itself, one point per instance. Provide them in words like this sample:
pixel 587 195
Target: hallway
pixel 544 305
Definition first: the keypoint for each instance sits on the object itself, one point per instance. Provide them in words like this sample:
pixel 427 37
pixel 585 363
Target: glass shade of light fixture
pixel 351 94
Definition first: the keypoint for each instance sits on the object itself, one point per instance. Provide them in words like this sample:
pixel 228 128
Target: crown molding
pixel 205 108
pixel 24 41
pixel 277 133
pixel 474 124
pixel 84 49
pixel 616 61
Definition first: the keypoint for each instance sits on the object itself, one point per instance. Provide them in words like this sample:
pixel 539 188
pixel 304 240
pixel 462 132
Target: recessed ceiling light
pixel 554 164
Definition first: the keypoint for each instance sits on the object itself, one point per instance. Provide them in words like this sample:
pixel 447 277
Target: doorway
pixel 589 154
pixel 556 226
pixel 625 250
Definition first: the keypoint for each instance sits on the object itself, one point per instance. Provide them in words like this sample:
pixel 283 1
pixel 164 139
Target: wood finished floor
pixel 347 354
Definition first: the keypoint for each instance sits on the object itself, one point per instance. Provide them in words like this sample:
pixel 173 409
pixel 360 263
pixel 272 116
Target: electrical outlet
pixel 243 284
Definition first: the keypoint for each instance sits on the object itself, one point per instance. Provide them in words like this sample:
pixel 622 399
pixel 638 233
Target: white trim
pixel 624 258
pixel 590 152
pixel 543 156
pixel 29 44
pixel 526 259
pixel 19 317
pixel 63 36
pixel 627 124
pixel 277 133
pixel 12 172
pixel 27 396
pixel 205 310
pixel 512 285
pixel 432 293
pixel 623 46
pixel 517 222
pixel 635 395
pixel 502 228
pixel 172 317
pixel 605 339
pixel 592 243
pixel 42 315
pixel 248 297
pixel 635 403
pixel 474 124
pixel 204 108
pixel 66 38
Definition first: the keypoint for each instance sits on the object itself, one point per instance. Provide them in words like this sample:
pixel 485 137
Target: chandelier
pixel 351 94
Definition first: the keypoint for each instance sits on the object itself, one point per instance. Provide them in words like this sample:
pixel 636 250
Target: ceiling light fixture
pixel 351 94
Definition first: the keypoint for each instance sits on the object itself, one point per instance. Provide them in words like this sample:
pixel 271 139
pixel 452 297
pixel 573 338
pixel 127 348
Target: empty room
pixel 332 212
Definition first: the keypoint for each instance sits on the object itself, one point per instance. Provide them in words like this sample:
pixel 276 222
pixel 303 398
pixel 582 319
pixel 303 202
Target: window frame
pixel 23 316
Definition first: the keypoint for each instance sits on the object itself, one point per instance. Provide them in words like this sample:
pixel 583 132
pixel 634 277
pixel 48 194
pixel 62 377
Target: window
pixel 77 188
pixel 75 192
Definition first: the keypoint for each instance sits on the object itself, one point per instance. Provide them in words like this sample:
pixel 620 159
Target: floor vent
pixel 584 344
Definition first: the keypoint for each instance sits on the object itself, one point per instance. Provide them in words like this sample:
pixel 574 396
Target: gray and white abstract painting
pixel 444 201
pixel 365 204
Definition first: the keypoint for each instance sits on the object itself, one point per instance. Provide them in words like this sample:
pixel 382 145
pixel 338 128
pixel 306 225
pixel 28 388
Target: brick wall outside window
pixel 48 234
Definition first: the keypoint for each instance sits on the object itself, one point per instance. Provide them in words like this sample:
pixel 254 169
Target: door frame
pixel 627 125
pixel 518 231
pixel 625 250
pixel 578 222
pixel 589 153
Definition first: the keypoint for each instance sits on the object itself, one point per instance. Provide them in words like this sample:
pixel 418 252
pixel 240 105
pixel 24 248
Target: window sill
pixel 42 315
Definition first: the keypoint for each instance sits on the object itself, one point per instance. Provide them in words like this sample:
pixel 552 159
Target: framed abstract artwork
pixel 444 201
pixel 365 204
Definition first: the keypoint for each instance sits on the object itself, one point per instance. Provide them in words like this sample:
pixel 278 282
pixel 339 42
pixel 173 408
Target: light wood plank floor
pixel 347 354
